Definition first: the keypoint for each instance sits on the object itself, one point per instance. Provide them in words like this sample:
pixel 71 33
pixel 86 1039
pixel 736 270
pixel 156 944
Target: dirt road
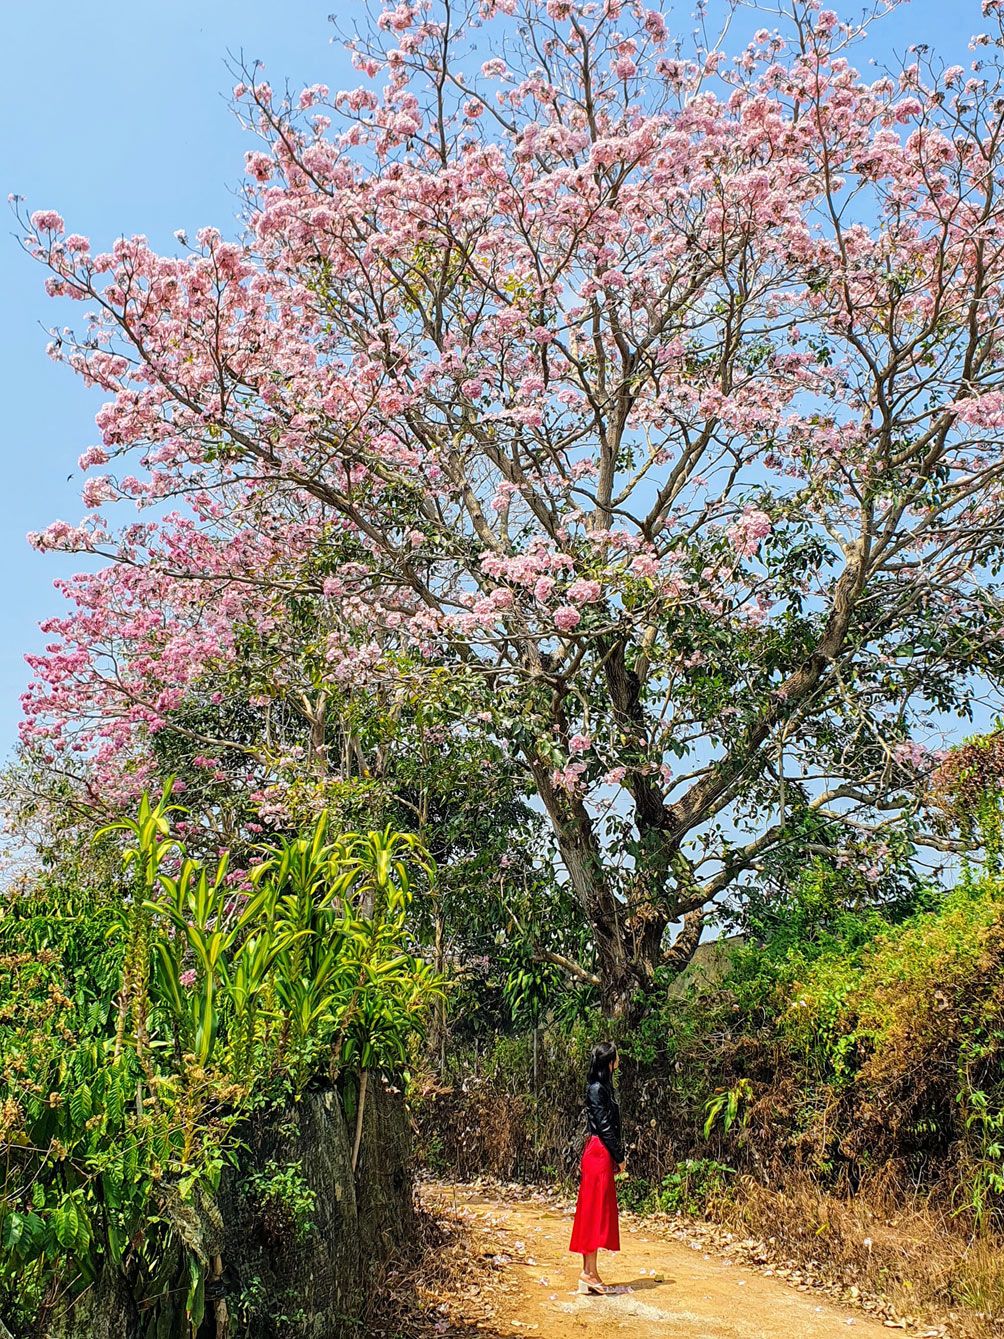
pixel 670 1288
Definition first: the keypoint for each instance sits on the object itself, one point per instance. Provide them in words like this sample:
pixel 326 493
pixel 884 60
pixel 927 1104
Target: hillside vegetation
pixel 836 1071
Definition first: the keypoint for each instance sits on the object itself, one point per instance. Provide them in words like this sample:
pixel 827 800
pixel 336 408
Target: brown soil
pixel 671 1287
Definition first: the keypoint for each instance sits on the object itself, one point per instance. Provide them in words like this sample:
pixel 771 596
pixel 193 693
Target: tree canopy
pixel 650 392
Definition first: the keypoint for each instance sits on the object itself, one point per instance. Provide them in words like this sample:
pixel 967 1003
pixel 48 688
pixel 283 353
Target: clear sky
pixel 115 114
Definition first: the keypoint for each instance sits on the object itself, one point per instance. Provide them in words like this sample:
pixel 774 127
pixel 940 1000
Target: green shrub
pixel 861 1037
pixel 138 1032
pixel 285 1203
pixel 689 1188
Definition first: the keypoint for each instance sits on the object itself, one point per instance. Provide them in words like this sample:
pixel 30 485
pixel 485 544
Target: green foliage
pixel 691 1185
pixel 853 1032
pixel 137 1033
pixel 728 1107
pixel 284 1201
pixel 256 1304
pixel 530 984
pixel 688 1189
pixel 506 979
pixel 980 1192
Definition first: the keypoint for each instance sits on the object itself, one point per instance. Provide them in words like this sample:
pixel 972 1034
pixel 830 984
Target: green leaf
pixel 81 1106
pixel 11 1231
pixel 65 1223
pixel 195 1304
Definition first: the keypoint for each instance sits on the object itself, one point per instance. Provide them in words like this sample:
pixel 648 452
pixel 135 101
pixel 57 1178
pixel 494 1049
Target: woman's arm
pixel 601 1115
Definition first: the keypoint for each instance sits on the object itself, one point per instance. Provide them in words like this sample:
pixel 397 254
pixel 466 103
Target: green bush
pixel 692 1185
pixel 284 1202
pixel 137 1033
pixel 858 1038
pixel 689 1188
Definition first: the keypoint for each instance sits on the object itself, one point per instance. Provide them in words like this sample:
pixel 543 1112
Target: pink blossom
pixel 315 93
pixel 259 165
pixel 655 26
pixel 580 743
pixel 584 592
pixel 354 436
pixel 94 455
pixel 47 220
pixel 566 618
pixel 911 754
pixel 98 490
pixel 747 532
pixel 569 777
pixel 399 19
pixel 644 565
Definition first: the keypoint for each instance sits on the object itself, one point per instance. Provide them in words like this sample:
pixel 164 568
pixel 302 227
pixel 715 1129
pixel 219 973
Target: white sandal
pixel 594 1286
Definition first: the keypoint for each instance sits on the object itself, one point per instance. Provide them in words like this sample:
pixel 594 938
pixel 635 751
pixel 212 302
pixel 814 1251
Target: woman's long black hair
pixel 602 1057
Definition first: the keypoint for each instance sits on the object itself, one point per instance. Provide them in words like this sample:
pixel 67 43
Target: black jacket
pixel 603 1117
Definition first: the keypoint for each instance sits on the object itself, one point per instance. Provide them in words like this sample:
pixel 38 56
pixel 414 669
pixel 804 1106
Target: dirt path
pixel 671 1288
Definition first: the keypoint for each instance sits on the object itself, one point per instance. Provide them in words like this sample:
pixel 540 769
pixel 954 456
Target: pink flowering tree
pixel 656 392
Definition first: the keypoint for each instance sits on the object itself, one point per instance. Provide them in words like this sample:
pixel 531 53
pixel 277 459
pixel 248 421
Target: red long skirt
pixel 596 1227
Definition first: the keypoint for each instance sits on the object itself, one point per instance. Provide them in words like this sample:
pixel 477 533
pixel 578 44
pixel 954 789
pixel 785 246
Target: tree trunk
pixel 629 936
pixel 582 858
pixel 623 993
pixel 627 984
pixel 221 1312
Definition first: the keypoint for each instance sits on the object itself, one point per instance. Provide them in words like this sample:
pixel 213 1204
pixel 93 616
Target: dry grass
pixel 978 1286
pixel 913 1259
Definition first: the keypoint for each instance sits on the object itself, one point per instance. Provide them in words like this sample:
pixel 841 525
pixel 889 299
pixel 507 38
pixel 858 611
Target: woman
pixel 595 1227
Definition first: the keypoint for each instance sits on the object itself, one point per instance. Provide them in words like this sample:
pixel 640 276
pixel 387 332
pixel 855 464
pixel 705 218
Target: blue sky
pixel 116 115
